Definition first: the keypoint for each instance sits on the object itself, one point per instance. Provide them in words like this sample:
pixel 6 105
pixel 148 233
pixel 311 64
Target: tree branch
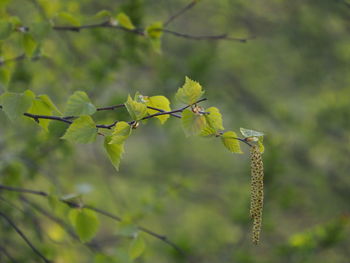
pixel 67 120
pixel 140 32
pixel 180 12
pixel 204 37
pixel 13 225
pixel 97 210
pixel 4 251
pixel 18 58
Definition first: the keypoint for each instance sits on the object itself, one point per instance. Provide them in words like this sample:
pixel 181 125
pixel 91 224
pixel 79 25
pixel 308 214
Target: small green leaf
pixel 261 145
pixel 69 18
pixel 40 107
pixel 29 44
pixel 15 104
pixel 57 128
pixel 137 247
pixel 155 30
pixel 46 99
pixel 86 225
pixel 137 110
pixel 79 104
pixel 125 21
pixel 5 76
pixel 190 92
pixel 229 139
pixel 214 122
pixel 159 102
pixel 192 123
pixel 82 130
pixel 250 133
pixel 114 151
pixel 103 14
pixel 5 29
pixel 121 132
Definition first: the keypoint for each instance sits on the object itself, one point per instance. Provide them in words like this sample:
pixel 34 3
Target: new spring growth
pixel 257 192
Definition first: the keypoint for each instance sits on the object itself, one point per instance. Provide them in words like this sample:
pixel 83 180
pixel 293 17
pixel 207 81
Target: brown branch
pixel 204 37
pixel 67 120
pixel 180 12
pixel 123 106
pixel 140 32
pixel 5 252
pixel 97 210
pixel 13 225
pixel 18 58
pixel 105 24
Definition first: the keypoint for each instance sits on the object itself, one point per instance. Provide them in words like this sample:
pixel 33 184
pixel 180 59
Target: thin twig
pixel 105 24
pixel 5 252
pixel 180 12
pixel 141 32
pixel 67 120
pixel 123 106
pixel 204 37
pixel 13 225
pixel 22 190
pixel 18 58
pixel 97 210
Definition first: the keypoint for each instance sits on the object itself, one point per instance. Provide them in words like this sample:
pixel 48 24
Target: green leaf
pixel 261 145
pixel 155 30
pixel 101 258
pixel 5 76
pixel 5 29
pixel 190 92
pixel 40 107
pixel 114 151
pixel 86 225
pixel 214 122
pixel 250 133
pixel 46 99
pixel 230 142
pixel 57 128
pixel 103 14
pixel 69 18
pixel 15 104
pixel 192 123
pixel 121 132
pixel 29 44
pixel 79 104
pixel 159 102
pixel 137 110
pixel 125 21
pixel 137 247
pixel 82 130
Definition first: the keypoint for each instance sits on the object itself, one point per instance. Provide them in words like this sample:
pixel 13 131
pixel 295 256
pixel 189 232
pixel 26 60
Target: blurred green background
pixel 291 80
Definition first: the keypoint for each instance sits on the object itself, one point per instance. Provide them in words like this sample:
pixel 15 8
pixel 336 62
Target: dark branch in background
pixel 4 252
pixel 210 37
pixel 18 58
pixel 97 210
pixel 93 245
pixel 140 32
pixel 13 225
pixel 180 12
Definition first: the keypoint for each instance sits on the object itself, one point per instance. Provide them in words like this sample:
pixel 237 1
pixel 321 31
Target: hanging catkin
pixel 257 191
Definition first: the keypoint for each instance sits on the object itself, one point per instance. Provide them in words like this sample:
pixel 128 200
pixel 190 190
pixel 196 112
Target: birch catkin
pixel 257 191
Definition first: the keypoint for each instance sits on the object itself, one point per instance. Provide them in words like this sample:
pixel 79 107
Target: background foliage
pixel 290 81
